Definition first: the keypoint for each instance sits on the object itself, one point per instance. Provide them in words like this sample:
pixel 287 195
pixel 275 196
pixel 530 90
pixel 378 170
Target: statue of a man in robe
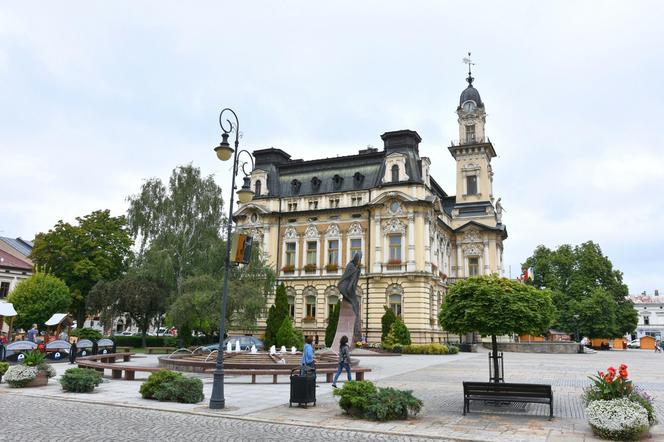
pixel 348 288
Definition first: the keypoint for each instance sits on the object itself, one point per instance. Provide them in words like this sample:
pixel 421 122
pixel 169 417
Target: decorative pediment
pixel 291 233
pixel 394 225
pixel 355 229
pixel 471 236
pixel 473 249
pixel 332 231
pixel 311 232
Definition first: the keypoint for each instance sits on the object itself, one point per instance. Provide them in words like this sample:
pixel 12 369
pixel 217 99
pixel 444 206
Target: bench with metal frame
pixel 507 392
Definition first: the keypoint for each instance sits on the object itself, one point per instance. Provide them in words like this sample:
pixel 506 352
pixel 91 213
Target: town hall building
pixel 416 238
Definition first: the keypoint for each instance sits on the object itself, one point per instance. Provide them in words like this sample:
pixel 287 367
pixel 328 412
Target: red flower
pixel 623 367
pixel 623 374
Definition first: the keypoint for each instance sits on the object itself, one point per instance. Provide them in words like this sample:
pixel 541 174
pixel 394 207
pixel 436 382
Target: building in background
pixel 310 217
pixel 15 266
pixel 651 315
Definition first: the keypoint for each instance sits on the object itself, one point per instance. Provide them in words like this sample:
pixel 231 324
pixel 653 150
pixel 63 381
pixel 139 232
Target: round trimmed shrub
pixel 80 380
pixel 389 404
pixel 617 419
pixel 355 396
pixel 156 380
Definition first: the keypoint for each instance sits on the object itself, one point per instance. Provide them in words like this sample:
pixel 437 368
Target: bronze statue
pixel 348 288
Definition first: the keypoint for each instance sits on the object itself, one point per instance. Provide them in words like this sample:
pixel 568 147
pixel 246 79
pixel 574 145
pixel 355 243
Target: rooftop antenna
pixel 470 63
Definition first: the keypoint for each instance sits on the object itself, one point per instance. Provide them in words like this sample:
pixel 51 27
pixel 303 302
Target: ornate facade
pixel 309 217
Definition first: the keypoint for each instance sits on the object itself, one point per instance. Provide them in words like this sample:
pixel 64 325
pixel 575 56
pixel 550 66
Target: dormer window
pixel 470 133
pixel 395 173
pixel 257 192
pixel 337 181
pixel 315 184
pixel 358 178
pixel 295 186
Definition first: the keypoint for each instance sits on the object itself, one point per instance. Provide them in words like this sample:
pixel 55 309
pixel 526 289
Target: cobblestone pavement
pixel 48 419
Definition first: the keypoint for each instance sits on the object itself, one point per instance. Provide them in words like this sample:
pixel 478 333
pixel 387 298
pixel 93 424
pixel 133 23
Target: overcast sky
pixel 97 96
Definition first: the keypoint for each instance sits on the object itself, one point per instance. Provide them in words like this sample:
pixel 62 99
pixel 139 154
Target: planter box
pixel 39 381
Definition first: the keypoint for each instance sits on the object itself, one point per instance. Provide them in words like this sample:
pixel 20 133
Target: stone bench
pixel 275 372
pixel 117 369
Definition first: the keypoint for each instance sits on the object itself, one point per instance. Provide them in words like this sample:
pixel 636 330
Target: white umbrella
pixel 7 309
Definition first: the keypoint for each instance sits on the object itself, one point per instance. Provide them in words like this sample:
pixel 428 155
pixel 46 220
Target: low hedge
pixel 159 341
pixel 428 349
pixel 80 380
pixel 167 385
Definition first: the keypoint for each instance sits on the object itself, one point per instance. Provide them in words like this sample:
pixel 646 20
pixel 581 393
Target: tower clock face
pixel 468 106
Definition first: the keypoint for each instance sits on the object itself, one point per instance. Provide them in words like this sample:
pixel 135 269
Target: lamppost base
pixel 217 405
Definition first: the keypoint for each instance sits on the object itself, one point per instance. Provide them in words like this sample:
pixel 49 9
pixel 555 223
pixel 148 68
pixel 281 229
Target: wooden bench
pixel 275 372
pixel 117 369
pixel 153 349
pixel 504 392
pixel 122 349
pixel 108 357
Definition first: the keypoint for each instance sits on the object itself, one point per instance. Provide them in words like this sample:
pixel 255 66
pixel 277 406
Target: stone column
pixel 459 257
pixel 378 240
pixel 487 263
pixel 410 267
pixel 428 250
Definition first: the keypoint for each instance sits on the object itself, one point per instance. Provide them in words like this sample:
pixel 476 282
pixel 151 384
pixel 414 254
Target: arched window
pixel 258 188
pixel 395 298
pixel 290 294
pixel 309 302
pixel 311 307
pixel 395 173
pixel 333 297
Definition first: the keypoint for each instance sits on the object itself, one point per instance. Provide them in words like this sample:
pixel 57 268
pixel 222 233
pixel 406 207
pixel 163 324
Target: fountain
pixel 237 345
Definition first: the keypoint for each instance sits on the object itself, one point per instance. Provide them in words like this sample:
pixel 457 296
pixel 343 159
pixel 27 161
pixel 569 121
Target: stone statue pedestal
pixel 345 326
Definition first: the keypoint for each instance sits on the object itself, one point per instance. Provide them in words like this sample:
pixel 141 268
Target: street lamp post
pixel 576 326
pixel 224 152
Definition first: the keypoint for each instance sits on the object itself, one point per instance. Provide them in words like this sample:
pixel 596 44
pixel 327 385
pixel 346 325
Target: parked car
pixel 245 343
pixel 636 343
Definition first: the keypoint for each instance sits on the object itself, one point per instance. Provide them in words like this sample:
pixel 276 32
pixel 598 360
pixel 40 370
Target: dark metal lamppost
pixel 245 194
pixel 576 326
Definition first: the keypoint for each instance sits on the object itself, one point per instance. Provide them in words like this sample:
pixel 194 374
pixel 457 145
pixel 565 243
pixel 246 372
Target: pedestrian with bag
pixel 344 360
pixel 308 355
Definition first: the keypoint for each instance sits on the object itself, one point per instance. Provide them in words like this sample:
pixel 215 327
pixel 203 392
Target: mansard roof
pixel 289 177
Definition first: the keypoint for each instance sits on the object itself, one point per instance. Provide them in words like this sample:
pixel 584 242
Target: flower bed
pixel 615 408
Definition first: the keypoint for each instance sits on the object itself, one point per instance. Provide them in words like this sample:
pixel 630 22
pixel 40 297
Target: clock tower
pixel 473 151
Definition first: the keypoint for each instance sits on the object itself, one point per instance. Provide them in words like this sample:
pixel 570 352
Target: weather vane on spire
pixel 470 63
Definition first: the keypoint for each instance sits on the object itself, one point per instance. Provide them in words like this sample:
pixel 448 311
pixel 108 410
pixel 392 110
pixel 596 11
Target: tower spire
pixel 470 63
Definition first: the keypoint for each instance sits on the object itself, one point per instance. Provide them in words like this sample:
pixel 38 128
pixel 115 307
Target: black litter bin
pixel 302 386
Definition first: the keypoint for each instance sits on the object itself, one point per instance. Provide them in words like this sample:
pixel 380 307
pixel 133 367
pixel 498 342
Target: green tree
pixel 332 323
pixel 198 308
pixel 495 306
pixel 37 298
pixel 276 314
pixel 142 299
pixel 178 225
pixel 401 332
pixel 598 304
pixel 574 273
pixel 289 336
pixel 98 248
pixel 386 322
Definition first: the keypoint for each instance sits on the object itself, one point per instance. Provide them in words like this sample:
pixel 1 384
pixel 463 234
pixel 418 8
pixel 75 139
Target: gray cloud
pixel 99 96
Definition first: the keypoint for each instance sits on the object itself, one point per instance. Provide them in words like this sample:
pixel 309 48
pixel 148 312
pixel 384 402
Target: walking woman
pixel 344 360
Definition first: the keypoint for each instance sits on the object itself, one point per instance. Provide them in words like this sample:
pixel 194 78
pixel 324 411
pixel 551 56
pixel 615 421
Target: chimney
pixel 401 140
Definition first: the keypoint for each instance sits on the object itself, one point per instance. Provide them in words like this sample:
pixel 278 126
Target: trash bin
pixel 302 386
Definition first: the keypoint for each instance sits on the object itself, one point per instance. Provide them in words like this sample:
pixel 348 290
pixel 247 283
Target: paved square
pixel 261 412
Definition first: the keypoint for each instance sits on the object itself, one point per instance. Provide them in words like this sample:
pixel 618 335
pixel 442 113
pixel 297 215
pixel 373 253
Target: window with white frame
pixel 290 254
pixel 291 306
pixel 311 306
pixel 333 252
pixel 312 249
pixel 473 266
pixel 394 242
pixel 355 246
